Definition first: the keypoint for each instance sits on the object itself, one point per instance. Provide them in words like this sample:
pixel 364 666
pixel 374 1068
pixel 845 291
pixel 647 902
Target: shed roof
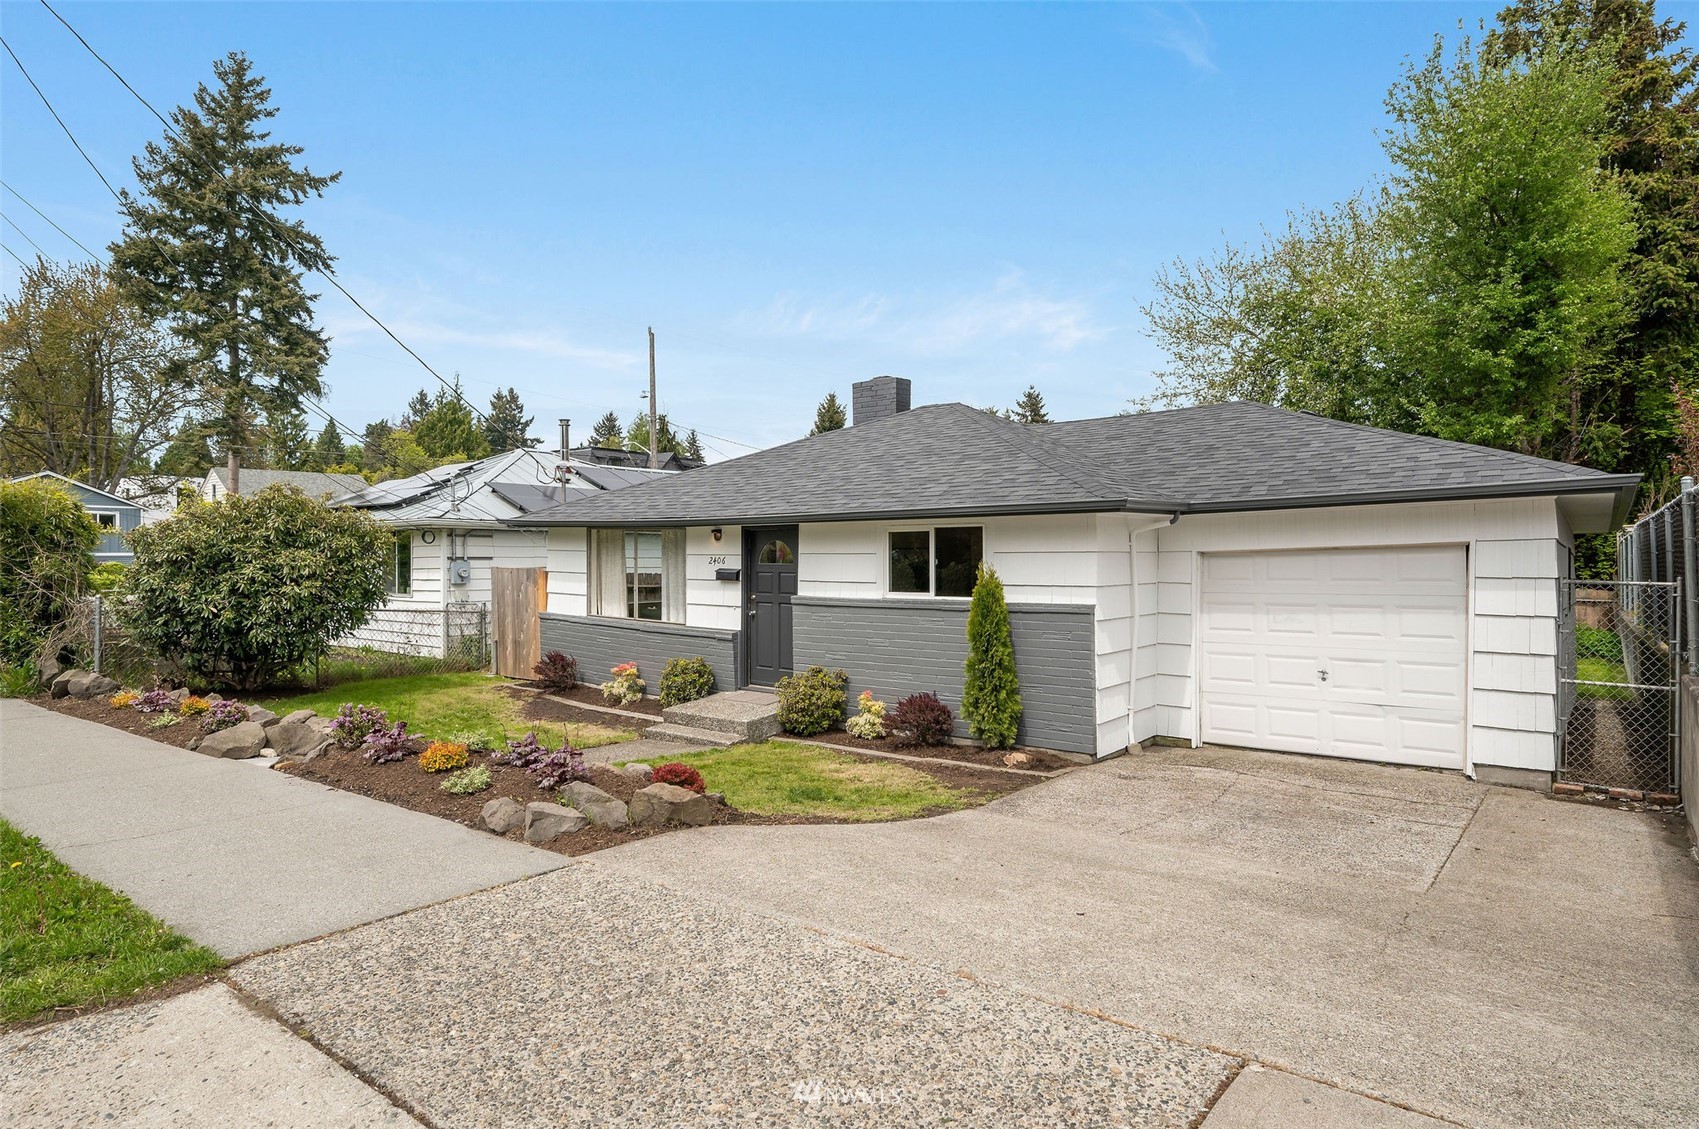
pixel 952 459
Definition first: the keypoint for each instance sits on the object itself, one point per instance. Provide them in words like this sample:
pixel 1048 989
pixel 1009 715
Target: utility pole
pixel 654 437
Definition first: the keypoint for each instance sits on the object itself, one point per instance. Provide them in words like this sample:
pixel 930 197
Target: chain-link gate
pixel 1619 664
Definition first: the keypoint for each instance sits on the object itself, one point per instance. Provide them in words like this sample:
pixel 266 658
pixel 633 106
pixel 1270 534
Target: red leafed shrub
pixel 558 671
pixel 921 719
pixel 682 775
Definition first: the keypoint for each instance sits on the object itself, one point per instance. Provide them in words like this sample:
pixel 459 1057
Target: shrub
pixel 193 706
pixel 625 687
pixel 106 577
pixel 243 589
pixel 223 715
pixel 522 753
pixel 164 721
pixel 155 701
pixel 685 680
pixel 676 772
pixel 813 701
pixel 558 671
pixel 921 719
pixel 47 545
pixel 467 780
pixel 550 768
pixel 386 744
pixel 123 699
pixel 443 756
pixel 991 694
pixel 869 722
pixel 22 680
pixel 354 723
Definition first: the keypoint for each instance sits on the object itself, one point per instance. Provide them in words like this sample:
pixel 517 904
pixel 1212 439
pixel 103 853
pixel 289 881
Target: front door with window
pixel 769 557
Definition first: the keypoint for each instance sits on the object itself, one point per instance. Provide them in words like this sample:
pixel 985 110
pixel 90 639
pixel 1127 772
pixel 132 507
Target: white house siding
pixel 569 571
pixel 1517 550
pixel 709 602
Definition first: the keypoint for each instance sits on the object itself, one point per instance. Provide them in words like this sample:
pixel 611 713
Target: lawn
pixel 66 941
pixel 450 705
pixel 781 778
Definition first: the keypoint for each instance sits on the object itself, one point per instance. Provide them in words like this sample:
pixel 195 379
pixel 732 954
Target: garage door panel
pixel 1387 625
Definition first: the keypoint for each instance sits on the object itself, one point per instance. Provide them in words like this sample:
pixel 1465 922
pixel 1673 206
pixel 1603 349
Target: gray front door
pixel 770 563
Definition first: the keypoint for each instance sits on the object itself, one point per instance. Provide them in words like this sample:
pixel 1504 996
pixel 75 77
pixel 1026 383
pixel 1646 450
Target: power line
pixel 49 219
pixel 24 233
pixel 14 255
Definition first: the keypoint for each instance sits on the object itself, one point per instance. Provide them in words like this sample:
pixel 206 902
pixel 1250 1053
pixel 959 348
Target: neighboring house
pixel 1236 574
pixel 453 524
pixel 158 495
pixel 116 516
pixel 252 480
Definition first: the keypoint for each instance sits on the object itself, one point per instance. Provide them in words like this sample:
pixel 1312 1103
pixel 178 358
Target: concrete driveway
pixel 1490 956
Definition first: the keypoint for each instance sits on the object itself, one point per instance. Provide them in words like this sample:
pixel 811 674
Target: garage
pixel 1357 653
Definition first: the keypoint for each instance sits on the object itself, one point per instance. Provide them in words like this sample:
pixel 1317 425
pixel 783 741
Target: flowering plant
pixel 869 724
pixel 123 699
pixel 155 701
pixel 625 687
pixel 386 744
pixel 354 723
pixel 193 706
pixel 441 756
pixel 223 715
pixel 550 768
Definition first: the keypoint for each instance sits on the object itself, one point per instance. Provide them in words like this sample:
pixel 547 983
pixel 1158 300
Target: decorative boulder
pixel 179 694
pixel 239 742
pixel 668 803
pixel 602 809
pixel 50 671
pixel 641 771
pixel 503 815
pixel 544 822
pixel 259 715
pixel 1017 760
pixel 88 684
pixel 195 743
pixel 300 716
pixel 213 697
pixel 294 739
pixel 60 687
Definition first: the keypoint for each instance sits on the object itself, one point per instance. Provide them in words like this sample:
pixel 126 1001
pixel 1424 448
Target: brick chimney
pixel 879 398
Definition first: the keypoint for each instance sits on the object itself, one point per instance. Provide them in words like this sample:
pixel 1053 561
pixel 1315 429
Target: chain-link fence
pixel 1620 665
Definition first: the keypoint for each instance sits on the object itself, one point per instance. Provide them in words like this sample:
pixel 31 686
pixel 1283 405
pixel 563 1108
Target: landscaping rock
pixel 179 694
pixel 295 739
pixel 544 822
pixel 86 684
pixel 602 809
pixel 60 687
pixel 658 804
pixel 50 670
pixel 211 697
pixel 503 815
pixel 239 742
pixel 717 797
pixel 259 715
pixel 300 717
pixel 641 771
pixel 195 743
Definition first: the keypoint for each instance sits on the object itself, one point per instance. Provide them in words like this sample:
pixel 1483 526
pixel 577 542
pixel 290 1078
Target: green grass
pixel 67 941
pixel 781 778
pixel 1602 670
pixel 449 705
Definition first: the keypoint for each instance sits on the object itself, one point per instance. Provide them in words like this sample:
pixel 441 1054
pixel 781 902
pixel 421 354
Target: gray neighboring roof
pixel 952 459
pixel 490 491
pixel 314 482
pixel 83 487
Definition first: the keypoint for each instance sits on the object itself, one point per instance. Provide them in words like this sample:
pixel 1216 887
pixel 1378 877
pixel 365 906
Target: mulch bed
pixel 589 695
pixel 96 709
pixel 968 754
pixel 539 708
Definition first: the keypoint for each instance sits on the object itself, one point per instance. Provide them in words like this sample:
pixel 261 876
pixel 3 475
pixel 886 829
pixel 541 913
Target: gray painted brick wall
pixel 599 643
pixel 900 647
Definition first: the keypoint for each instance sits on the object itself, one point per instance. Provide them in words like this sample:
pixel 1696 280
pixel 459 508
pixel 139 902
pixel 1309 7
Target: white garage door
pixel 1343 652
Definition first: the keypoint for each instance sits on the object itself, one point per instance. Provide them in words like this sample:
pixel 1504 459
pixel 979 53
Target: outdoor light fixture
pixel 714 533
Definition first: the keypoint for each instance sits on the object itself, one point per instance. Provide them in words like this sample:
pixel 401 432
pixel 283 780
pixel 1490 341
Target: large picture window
pixel 936 562
pixel 639 574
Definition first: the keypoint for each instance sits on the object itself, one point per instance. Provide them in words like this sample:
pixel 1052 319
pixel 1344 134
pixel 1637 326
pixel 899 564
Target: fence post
pixel 484 639
pixel 1689 586
pixel 99 608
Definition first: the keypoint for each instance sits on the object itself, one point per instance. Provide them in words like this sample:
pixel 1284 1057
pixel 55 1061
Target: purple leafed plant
pixel 522 753
pixel 550 768
pixel 156 701
pixel 223 715
pixel 387 743
pixel 354 723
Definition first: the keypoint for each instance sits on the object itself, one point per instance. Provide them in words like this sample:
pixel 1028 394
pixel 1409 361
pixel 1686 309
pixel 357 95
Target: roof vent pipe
pixel 565 437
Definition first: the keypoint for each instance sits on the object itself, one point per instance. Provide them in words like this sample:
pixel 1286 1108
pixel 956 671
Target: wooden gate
pixel 517 595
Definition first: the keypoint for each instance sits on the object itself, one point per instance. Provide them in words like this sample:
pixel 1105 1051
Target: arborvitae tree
pixel 693 447
pixel 607 432
pixel 328 449
pixel 991 694
pixel 447 432
pixel 1030 407
pixel 205 245
pixel 416 409
pixel 830 415
pixel 286 439
pixel 507 427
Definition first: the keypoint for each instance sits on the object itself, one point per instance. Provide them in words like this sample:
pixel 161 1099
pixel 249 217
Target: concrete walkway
pixel 240 858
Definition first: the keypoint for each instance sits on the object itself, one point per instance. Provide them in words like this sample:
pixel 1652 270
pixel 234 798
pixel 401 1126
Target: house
pixel 453 524
pixel 1234 574
pixel 158 495
pixel 317 484
pixel 115 515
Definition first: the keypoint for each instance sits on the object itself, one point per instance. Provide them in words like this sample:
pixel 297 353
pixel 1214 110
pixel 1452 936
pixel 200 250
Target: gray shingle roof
pixel 255 479
pixel 951 459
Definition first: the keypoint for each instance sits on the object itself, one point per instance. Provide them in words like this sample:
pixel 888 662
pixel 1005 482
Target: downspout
pixel 1133 603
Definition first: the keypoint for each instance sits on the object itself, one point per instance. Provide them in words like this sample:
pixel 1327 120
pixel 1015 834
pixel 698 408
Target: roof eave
pixel 1623 486
pixel 1103 505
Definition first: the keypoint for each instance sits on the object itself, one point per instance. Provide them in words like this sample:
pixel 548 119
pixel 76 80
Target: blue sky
pixel 795 197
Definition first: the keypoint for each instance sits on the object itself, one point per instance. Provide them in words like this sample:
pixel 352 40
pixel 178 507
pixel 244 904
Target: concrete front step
pixel 688 734
pixel 741 715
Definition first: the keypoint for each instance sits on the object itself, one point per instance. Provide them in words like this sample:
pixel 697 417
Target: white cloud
pixel 1178 29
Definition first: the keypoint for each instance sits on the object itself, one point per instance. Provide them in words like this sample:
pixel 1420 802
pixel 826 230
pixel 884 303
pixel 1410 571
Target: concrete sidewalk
pixel 239 858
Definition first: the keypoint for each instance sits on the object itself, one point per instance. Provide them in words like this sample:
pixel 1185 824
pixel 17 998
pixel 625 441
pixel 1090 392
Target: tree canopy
pixel 506 426
pixel 830 415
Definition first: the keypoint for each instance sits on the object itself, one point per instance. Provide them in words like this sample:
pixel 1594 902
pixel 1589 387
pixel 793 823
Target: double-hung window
pixel 400 579
pixel 941 561
pixel 639 574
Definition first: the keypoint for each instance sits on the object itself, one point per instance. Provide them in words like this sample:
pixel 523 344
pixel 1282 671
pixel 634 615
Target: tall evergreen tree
pixel 448 433
pixel 416 409
pixel 206 246
pixel 287 442
pixel 1030 407
pixel 188 455
pixel 991 690
pixel 607 432
pixel 693 447
pixel 637 435
pixel 830 415
pixel 328 449
pixel 507 427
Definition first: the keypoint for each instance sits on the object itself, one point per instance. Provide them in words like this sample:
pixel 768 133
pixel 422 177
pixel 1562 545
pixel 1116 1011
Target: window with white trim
pixel 638 574
pixel 941 561
pixel 400 579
